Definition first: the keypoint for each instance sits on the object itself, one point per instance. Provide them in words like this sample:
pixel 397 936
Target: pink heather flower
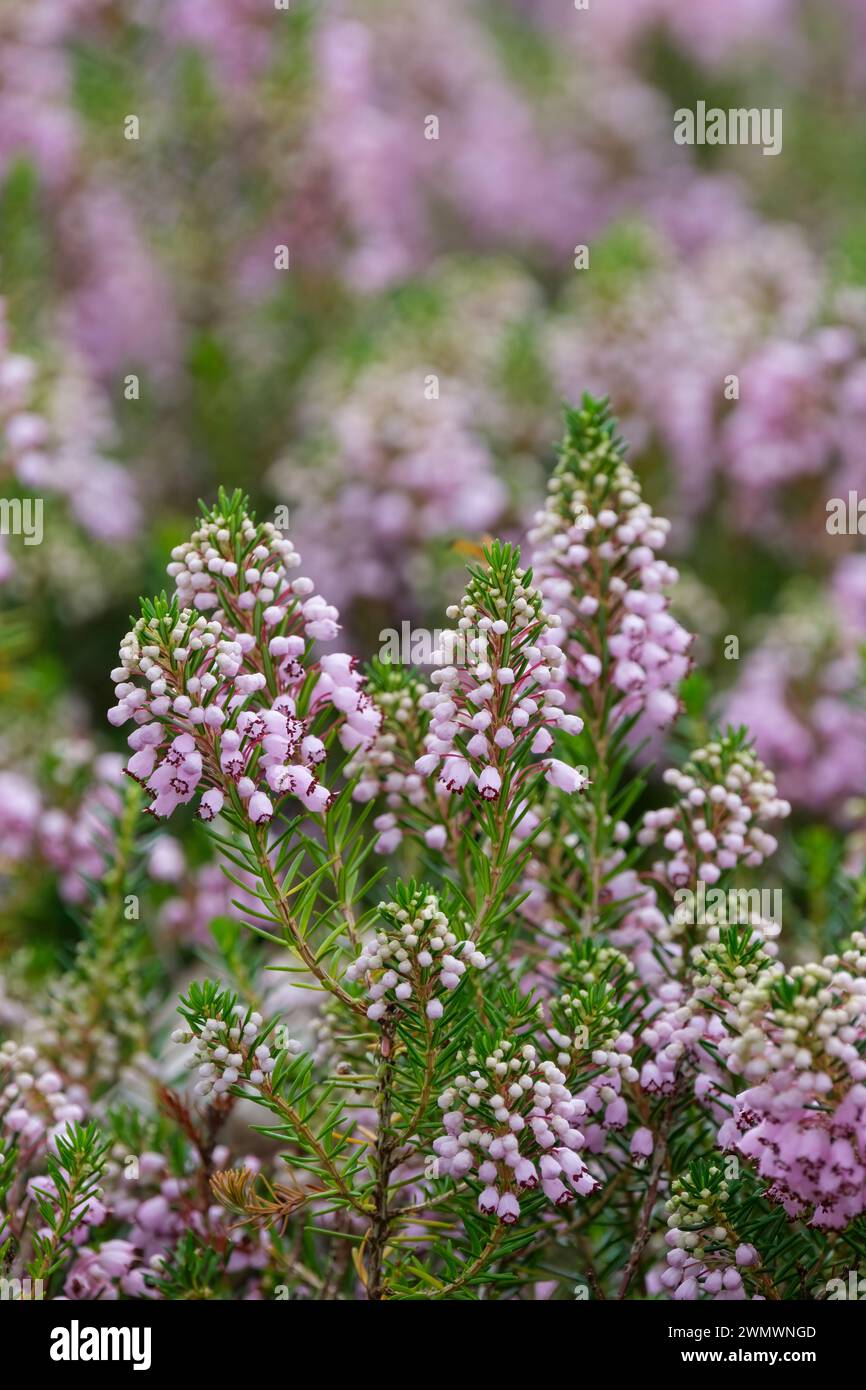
pixel 165 861
pixel 390 833
pixel 641 1143
pixel 567 779
pixel 596 544
pixel 215 699
pixel 211 804
pixel 485 716
pixel 456 772
pixel 489 784
pixel 95 1273
pixel 802 1118
pixel 260 808
pixel 533 1126
pixel 525 1175
pixel 488 1201
pixel 415 953
pixel 508 1209
pixel 20 813
pixel 725 798
pixel 616 1114
pixel 556 1192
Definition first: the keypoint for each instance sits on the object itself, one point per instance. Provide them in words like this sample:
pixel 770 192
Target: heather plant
pixel 500 1060
pixel 475 986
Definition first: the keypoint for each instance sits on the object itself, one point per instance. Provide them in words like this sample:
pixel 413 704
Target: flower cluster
pixel 36 1104
pixel 23 433
pixel 799 691
pixel 704 1255
pixel 20 815
pixel 674 1027
pixel 106 1272
pixel 156 1206
pixel 415 956
pixel 725 795
pixel 417 470
pixel 233 703
pixel 798 1038
pixel 802 416
pixel 78 842
pixel 595 550
pixel 512 1122
pixel 501 704
pixel 229 562
pixel 55 436
pixel 386 766
pixel 73 838
pixel 230 1044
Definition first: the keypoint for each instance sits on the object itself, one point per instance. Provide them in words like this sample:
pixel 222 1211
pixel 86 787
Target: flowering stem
pixel 599 817
pixel 643 1230
pixel 386 1144
pixel 426 1085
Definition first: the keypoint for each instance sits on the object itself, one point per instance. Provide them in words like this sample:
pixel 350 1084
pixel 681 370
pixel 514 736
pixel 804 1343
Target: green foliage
pixel 191 1271
pixel 73 1170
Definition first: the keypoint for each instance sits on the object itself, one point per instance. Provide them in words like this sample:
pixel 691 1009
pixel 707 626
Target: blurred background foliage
pixel 154 258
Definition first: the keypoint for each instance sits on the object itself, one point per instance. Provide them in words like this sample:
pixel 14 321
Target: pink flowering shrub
pixel 524 962
pixel 530 1019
